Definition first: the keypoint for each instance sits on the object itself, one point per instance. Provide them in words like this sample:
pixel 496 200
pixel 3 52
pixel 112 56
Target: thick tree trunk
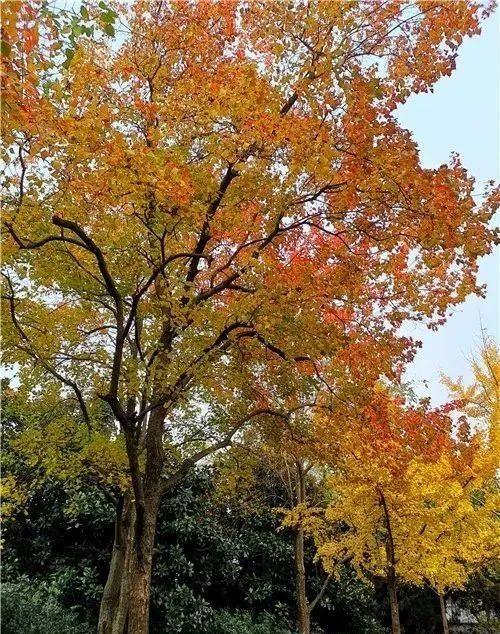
pixel 120 621
pixel 300 572
pixel 444 617
pixel 141 561
pixel 125 602
pixel 147 491
pixel 393 597
pixel 117 570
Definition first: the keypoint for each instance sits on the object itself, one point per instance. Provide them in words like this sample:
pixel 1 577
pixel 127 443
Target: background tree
pixel 367 515
pixel 220 177
pixel 284 455
pixel 453 522
pixel 480 400
pixel 410 501
pixel 480 598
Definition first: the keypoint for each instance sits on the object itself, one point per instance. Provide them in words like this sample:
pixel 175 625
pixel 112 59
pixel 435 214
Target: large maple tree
pixel 197 186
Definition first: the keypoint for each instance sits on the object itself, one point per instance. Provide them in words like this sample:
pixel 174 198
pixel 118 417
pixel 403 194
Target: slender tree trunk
pixel 300 573
pixel 444 617
pixel 303 614
pixel 117 570
pixel 391 561
pixel 393 597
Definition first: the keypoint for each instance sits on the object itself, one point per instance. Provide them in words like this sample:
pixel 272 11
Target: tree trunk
pixel 444 618
pixel 120 622
pixel 300 572
pixel 393 596
pixel 303 614
pixel 391 561
pixel 141 561
pixel 147 491
pixel 117 570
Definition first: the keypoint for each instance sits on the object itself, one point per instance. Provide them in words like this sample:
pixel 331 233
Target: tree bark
pixel 302 603
pixel 444 617
pixel 393 597
pixel 117 570
pixel 147 492
pixel 303 614
pixel 140 569
pixel 391 574
pixel 120 622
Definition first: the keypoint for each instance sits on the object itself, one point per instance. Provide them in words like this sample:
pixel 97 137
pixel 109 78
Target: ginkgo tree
pixel 191 182
pixel 478 448
pixel 412 498
pixel 453 522
pixel 480 399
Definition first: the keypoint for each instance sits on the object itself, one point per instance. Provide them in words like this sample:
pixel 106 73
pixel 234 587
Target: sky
pixel 462 115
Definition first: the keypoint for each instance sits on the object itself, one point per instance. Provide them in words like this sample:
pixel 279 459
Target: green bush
pixel 225 622
pixel 29 608
pixel 182 611
pixel 487 625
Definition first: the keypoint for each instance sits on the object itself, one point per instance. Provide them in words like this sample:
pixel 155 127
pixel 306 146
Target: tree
pixel 478 451
pixel 480 400
pixel 410 502
pixel 452 524
pixel 219 179
pixel 368 491
pixel 284 457
pixel 272 472
pixel 480 597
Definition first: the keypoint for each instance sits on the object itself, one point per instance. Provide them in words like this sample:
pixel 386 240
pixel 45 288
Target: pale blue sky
pixel 461 115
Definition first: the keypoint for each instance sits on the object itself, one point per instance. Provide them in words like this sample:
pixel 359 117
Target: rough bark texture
pixel 444 617
pixel 147 491
pixel 111 595
pixel 120 621
pixel 393 596
pixel 140 570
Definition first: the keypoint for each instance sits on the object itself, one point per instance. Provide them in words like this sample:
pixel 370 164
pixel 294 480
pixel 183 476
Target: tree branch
pixel 319 596
pixel 190 462
pixel 30 350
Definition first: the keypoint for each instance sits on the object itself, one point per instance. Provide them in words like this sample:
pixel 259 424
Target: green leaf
pixel 109 29
pixel 70 53
pixel 84 12
pixel 109 17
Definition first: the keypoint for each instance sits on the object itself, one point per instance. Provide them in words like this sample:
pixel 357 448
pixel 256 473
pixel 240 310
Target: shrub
pixel 33 608
pixel 225 622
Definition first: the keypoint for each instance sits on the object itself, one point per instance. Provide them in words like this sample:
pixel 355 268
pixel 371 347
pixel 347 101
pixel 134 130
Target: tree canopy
pixel 212 219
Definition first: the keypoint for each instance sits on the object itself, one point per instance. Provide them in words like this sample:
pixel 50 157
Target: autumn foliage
pixel 214 202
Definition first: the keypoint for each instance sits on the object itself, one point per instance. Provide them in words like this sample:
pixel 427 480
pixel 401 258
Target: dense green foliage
pixel 36 609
